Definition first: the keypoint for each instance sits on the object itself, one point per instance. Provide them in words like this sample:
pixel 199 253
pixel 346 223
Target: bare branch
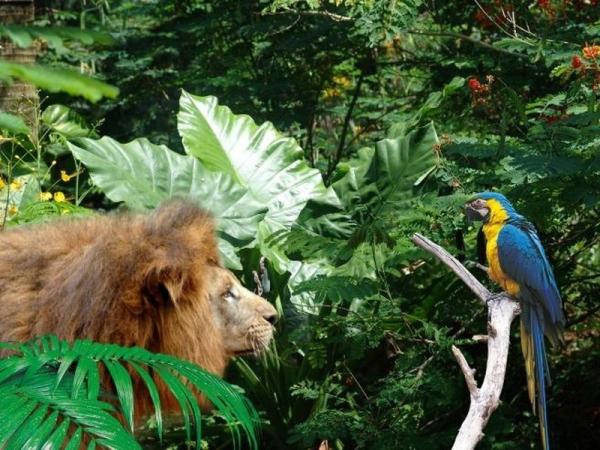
pixel 502 309
pixel 440 253
pixel 258 290
pixel 314 13
pixel 481 267
pixel 463 37
pixel 467 372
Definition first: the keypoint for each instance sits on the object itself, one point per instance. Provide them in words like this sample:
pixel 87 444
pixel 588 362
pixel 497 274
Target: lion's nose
pixel 271 318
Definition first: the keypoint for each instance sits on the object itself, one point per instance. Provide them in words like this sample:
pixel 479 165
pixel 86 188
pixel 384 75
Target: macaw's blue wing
pixel 522 258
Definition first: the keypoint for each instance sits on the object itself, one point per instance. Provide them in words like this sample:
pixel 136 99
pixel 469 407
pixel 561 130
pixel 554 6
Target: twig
pixel 284 29
pixel 481 267
pixel 322 13
pixel 502 309
pixel 265 282
pixel 421 369
pixel 467 372
pixel 333 162
pixel 357 382
pixel 258 290
pixel 464 37
pixel 261 278
pixel 513 35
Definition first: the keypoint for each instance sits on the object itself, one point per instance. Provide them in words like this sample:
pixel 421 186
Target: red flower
pixel 544 4
pixel 474 85
pixel 576 62
pixel 591 51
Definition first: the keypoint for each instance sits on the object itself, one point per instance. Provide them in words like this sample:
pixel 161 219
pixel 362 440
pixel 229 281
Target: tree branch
pixel 467 277
pixel 467 372
pixel 502 309
pixel 463 37
pixel 337 156
pixel 308 13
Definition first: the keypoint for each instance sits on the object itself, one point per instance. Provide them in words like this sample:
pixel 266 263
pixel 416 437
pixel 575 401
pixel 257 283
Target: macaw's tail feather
pixel 536 367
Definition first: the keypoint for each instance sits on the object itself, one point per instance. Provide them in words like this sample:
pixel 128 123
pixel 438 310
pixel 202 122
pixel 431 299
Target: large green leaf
pixel 259 158
pixel 17 195
pixel 13 124
pixel 63 120
pixel 57 80
pixel 143 174
pixel 383 179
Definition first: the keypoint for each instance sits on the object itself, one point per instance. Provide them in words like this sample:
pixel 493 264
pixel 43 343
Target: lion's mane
pixel 127 279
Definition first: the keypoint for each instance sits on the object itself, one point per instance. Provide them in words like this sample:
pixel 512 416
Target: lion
pixel 153 281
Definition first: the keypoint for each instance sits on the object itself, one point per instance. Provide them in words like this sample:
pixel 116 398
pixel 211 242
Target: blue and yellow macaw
pixel 517 262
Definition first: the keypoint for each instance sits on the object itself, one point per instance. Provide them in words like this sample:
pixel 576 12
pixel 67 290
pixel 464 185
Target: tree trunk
pixel 18 98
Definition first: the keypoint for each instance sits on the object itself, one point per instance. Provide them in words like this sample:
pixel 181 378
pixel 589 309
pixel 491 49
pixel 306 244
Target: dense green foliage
pixel 386 117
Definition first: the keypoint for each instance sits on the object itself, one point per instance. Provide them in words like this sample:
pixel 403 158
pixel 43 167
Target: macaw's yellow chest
pixel 491 232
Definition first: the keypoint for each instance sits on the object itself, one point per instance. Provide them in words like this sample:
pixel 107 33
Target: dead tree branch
pixel 502 309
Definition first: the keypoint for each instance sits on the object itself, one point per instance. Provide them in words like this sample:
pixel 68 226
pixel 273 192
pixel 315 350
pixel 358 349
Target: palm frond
pixel 36 414
pixel 53 382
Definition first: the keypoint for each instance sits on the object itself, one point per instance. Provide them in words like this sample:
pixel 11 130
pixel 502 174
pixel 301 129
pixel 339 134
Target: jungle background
pixel 386 117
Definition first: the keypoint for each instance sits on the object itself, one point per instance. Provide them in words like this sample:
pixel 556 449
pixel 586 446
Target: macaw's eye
pixel 480 203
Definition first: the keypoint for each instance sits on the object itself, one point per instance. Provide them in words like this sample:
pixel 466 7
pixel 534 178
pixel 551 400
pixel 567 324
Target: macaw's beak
pixel 477 210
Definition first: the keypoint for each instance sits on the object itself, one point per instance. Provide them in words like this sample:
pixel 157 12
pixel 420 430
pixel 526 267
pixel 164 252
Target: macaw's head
pixel 486 204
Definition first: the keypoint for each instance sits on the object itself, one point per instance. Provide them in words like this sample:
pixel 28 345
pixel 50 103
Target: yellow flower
pixel 59 197
pixel 67 176
pixel 342 81
pixel 12 210
pixel 591 51
pixel 329 93
pixel 15 185
pixel 2 183
pixel 45 196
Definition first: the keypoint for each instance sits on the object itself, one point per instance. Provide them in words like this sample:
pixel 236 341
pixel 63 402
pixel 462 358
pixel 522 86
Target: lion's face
pixel 245 319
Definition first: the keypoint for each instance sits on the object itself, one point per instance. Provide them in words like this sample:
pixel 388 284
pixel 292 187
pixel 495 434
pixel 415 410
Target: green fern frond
pixel 339 287
pixel 48 376
pixel 37 414
pixel 307 245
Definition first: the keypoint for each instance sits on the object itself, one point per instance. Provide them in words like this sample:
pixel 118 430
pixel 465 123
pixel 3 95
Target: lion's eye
pixel 230 295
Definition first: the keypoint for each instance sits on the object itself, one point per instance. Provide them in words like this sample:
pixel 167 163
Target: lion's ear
pixel 177 239
pixel 163 285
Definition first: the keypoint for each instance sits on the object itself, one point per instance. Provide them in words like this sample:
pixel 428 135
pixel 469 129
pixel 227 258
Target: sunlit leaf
pixel 259 158
pixel 63 120
pixel 13 124
pixel 143 174
pixel 58 80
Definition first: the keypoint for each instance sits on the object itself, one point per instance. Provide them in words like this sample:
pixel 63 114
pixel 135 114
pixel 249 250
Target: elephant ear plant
pixel 251 178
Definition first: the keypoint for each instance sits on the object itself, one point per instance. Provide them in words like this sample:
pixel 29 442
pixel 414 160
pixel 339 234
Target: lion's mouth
pixel 248 352
pixel 258 338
